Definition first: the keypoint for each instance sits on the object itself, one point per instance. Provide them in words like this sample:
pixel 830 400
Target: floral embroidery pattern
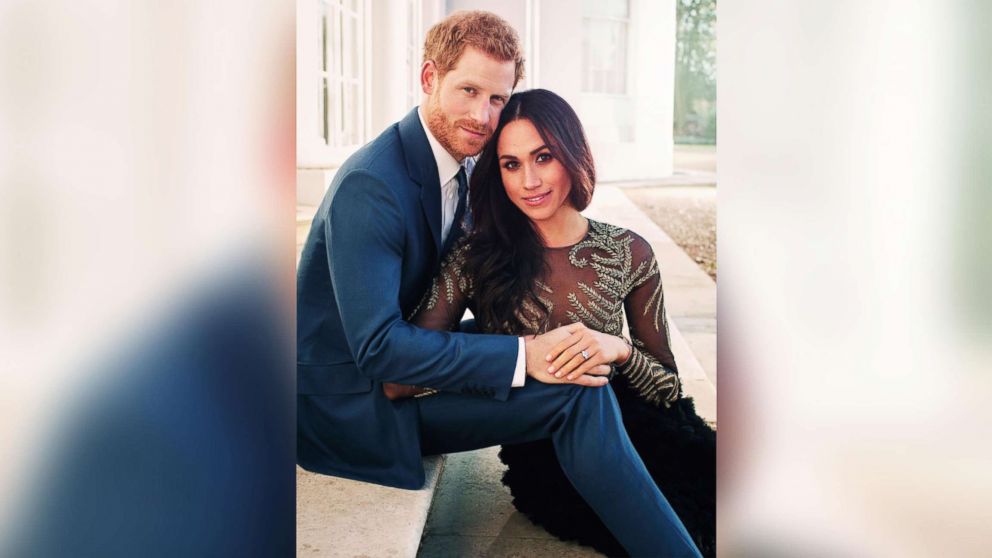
pixel 598 302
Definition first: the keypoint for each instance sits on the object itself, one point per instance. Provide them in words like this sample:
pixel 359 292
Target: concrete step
pixel 346 518
pixel 473 515
pixel 695 383
pixel 683 178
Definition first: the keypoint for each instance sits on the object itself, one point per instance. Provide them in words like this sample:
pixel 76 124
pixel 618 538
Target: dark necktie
pixel 456 224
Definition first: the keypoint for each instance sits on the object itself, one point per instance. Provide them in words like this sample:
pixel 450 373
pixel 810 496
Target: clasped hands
pixel 571 354
pixel 574 354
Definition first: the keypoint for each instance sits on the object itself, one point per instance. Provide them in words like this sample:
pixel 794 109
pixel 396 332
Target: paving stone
pixel 346 518
pixel 473 515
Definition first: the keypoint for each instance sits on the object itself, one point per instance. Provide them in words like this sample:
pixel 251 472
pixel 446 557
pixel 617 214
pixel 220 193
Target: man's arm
pixel 366 243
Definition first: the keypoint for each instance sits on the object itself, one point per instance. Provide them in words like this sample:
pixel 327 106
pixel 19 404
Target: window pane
pixel 342 108
pixel 341 40
pixel 323 42
pixel 605 56
pixel 351 47
pixel 349 116
pixel 340 114
pixel 325 131
pixel 352 112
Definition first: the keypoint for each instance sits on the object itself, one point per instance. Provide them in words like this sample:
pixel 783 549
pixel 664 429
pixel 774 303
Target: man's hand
pixel 540 346
pixel 583 350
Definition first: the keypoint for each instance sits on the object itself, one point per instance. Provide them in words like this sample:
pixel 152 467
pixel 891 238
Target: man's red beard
pixel 447 132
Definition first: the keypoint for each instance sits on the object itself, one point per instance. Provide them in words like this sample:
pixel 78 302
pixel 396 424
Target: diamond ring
pixel 585 355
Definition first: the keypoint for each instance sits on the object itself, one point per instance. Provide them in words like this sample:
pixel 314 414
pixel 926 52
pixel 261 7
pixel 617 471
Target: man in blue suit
pixel 378 237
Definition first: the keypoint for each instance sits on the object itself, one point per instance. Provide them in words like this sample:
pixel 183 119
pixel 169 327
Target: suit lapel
pixel 422 168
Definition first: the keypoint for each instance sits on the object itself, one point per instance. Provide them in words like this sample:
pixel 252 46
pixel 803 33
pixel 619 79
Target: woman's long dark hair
pixel 506 257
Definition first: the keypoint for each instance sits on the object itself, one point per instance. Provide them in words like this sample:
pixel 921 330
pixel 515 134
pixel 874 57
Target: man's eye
pixel 498 101
pixel 469 90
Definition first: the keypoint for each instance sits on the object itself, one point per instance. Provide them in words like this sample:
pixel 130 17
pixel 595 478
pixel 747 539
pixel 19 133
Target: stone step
pixel 346 518
pixel 473 515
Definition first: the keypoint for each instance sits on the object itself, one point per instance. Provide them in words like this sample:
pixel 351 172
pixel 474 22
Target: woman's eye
pixel 544 157
pixel 511 165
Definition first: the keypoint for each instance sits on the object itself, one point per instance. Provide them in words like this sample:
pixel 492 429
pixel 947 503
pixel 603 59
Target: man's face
pixel 463 107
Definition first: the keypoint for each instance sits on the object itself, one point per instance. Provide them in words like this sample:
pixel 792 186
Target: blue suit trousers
pixel 592 445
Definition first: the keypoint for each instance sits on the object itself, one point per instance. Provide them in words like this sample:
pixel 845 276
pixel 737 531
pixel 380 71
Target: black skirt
pixel 678 448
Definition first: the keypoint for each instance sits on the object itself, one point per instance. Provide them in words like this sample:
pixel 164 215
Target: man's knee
pixel 593 399
pixel 574 400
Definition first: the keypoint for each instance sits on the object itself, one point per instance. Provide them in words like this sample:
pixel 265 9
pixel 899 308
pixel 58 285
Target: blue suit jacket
pixel 372 252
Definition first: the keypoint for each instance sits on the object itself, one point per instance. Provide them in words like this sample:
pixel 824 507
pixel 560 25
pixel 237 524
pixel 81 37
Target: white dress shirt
pixel 447 175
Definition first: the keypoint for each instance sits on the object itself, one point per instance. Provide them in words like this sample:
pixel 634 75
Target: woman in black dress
pixel 533 263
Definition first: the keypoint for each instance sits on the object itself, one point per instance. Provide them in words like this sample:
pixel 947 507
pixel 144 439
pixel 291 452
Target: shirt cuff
pixel 520 373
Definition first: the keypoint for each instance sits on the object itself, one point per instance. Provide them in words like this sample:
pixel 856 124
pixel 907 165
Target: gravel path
pixel 685 213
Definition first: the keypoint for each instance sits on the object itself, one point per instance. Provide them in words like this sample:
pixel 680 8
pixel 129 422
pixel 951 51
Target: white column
pixel 388 89
pixel 648 105
pixel 559 32
pixel 652 84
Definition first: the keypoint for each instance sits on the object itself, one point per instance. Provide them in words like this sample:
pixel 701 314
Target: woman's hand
pixel 584 349
pixel 538 346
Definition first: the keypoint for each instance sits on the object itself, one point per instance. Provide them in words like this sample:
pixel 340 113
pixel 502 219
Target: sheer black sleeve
pixel 445 302
pixel 651 368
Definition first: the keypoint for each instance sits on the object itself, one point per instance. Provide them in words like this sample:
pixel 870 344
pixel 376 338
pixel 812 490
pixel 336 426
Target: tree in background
pixel 695 72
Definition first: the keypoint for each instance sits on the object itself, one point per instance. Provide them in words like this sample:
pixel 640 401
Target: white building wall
pixel 513 11
pixel 518 14
pixel 554 27
pixel 551 31
pixel 390 76
pixel 559 33
pixel 648 106
pixel 389 81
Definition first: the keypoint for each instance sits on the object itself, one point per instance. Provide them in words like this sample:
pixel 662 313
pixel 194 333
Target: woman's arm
pixel 651 368
pixel 444 304
pixel 647 361
pixel 441 308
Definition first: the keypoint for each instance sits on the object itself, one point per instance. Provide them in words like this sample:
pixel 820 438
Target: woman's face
pixel 535 181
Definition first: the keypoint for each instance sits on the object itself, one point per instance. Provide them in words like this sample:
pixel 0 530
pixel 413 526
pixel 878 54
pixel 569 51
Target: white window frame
pixel 624 53
pixel 314 150
pixel 414 50
pixel 532 46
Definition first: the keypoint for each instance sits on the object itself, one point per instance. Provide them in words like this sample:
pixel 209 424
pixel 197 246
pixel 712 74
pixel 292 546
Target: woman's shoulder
pixel 462 246
pixel 607 232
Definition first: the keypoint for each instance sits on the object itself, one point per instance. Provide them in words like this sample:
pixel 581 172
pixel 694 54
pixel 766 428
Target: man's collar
pixel 447 166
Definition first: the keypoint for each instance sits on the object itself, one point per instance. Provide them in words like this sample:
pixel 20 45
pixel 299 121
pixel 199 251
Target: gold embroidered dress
pixel 609 272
